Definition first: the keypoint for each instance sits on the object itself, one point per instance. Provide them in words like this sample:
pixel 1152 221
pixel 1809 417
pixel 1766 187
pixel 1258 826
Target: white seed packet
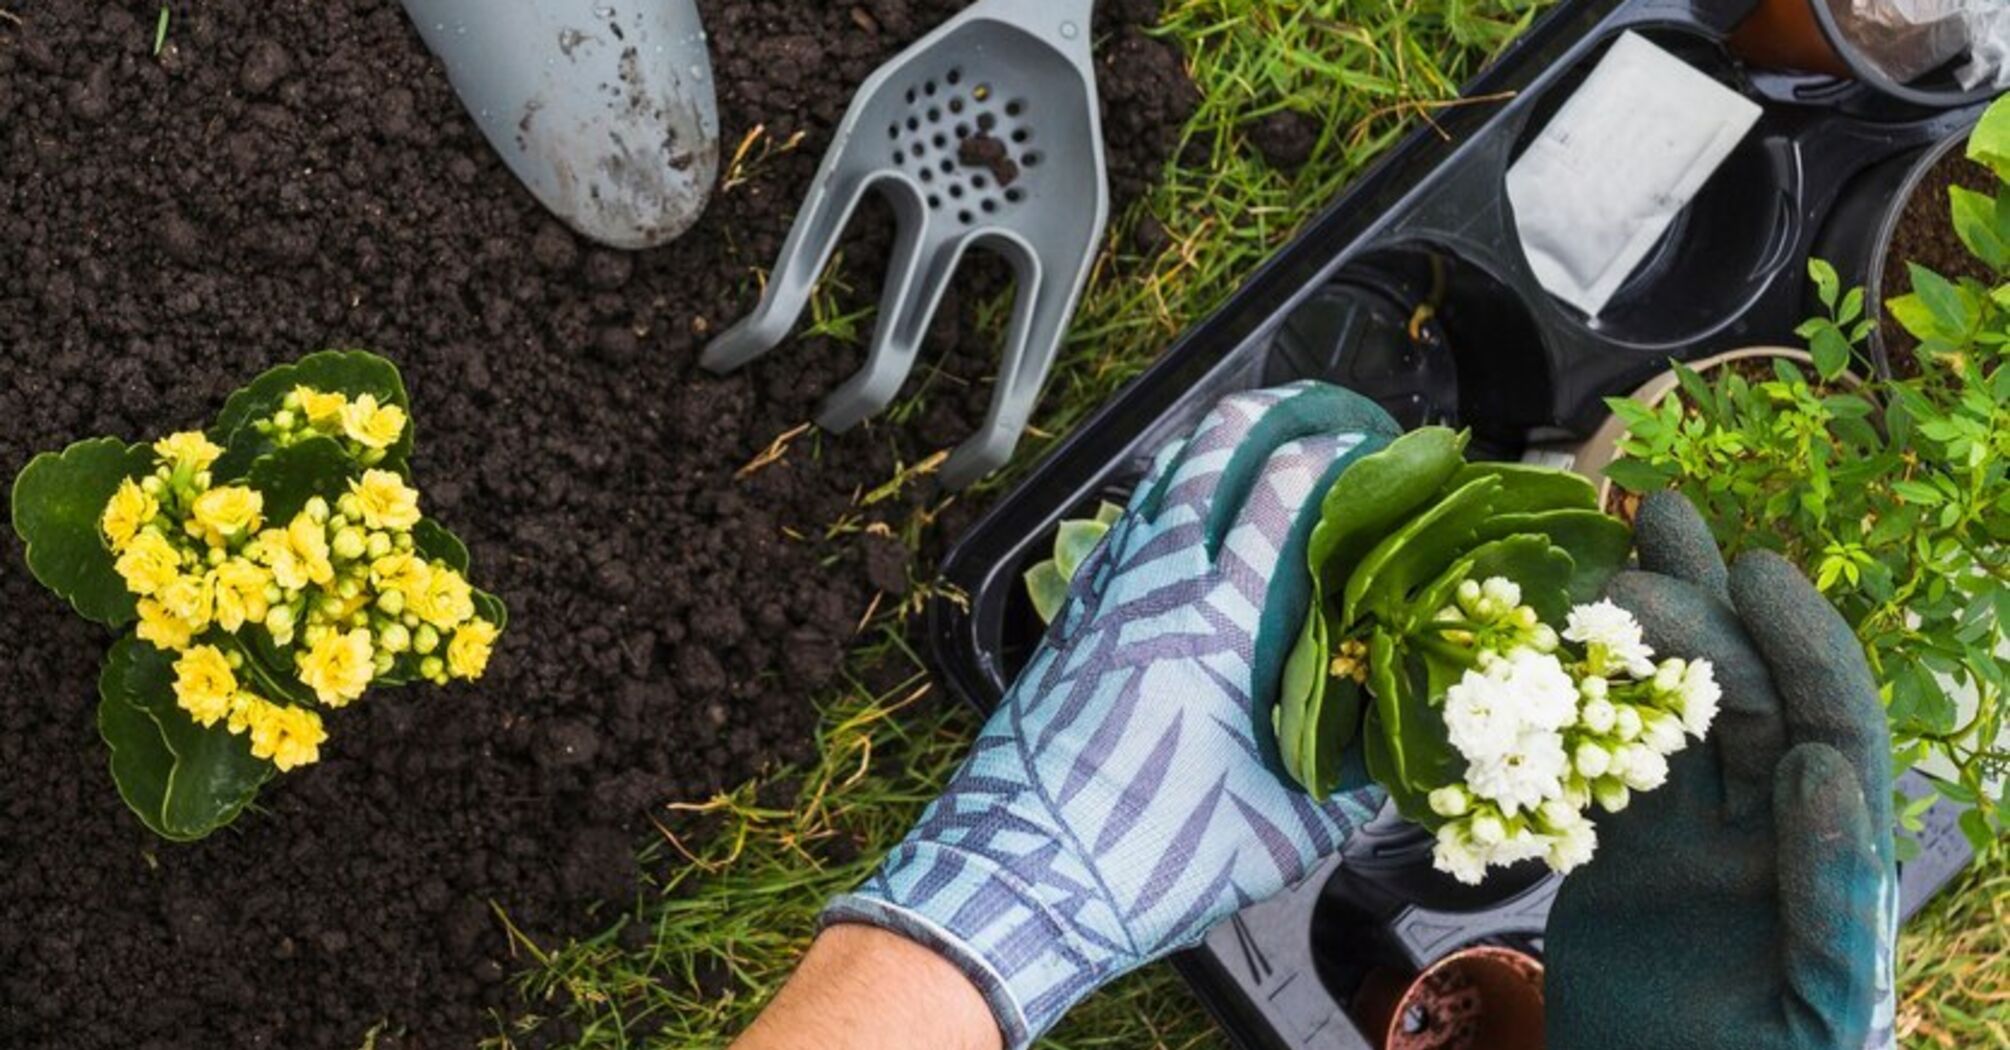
pixel 1615 166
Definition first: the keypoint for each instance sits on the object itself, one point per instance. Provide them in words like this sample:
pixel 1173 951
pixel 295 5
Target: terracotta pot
pixel 1477 999
pixel 1785 34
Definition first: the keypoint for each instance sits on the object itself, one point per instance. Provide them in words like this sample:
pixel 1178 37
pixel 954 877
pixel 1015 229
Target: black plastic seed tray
pixel 1412 288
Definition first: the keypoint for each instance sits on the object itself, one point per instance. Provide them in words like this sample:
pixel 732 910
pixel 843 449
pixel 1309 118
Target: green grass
pixel 734 901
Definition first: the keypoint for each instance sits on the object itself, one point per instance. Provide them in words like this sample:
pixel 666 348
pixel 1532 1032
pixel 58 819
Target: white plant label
pixel 1622 158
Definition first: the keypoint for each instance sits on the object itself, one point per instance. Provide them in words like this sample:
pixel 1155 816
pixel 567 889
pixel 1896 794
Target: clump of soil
pixel 1925 235
pixel 990 153
pixel 290 175
pixel 1287 138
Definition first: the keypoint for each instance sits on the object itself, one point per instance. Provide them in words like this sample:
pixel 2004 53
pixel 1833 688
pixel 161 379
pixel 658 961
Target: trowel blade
pixel 604 108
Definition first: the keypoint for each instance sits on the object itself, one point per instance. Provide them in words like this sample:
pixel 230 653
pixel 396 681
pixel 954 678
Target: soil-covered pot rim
pixel 1887 230
pixel 1517 971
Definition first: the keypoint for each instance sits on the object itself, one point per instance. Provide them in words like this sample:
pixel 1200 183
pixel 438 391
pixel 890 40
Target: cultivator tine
pixel 812 241
pixel 1040 316
pixel 903 327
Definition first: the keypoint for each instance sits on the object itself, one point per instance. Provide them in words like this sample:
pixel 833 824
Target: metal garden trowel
pixel 984 134
pixel 605 110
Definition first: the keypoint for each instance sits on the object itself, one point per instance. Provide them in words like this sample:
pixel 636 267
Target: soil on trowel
pixel 287 176
pixel 1925 235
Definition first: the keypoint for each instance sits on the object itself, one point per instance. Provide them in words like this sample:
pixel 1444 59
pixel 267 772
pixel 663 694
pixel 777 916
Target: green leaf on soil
pixel 183 781
pixel 352 373
pixel 1979 223
pixel 58 500
pixel 1951 313
pixel 491 608
pixel 1911 313
pixel 292 476
pixel 436 542
pixel 1989 143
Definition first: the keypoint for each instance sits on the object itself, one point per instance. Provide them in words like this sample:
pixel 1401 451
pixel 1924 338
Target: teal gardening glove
pixel 1127 794
pixel 1752 901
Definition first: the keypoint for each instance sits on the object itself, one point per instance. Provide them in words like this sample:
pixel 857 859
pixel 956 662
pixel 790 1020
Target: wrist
pixel 866 988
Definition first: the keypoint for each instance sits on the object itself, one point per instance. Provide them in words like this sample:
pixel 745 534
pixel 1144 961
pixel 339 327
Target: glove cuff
pixel 991 925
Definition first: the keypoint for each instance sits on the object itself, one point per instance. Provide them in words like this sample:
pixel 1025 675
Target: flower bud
pixel 337 522
pixel 392 602
pixel 410 619
pixel 394 638
pixel 1592 761
pixel 153 486
pixel 1645 769
pixel 329 606
pixel 1594 688
pixel 360 619
pixel 373 456
pixel 1543 638
pixel 1557 816
pixel 273 594
pixel 1663 732
pixel 284 419
pixel 317 510
pixel 348 587
pixel 1450 801
pixel 279 620
pixel 1469 593
pixel 434 669
pixel 1489 829
pixel 314 633
pixel 349 544
pixel 379 545
pixel 349 506
pixel 383 661
pixel 291 401
pixel 1626 722
pixel 1525 618
pixel 425 639
pixel 217 556
pixel 203 480
pixel 403 541
pixel 1577 793
pixel 1598 715
pixel 1668 677
pixel 1611 794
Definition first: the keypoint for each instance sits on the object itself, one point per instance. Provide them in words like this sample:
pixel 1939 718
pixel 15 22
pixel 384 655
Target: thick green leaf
pixel 350 372
pixel 182 780
pixel 491 608
pixel 1298 692
pixel 1989 143
pixel 1526 489
pixel 1048 589
pixel 1375 494
pixel 1388 684
pixel 438 543
pixel 58 500
pixel 1108 513
pixel 1543 570
pixel 1074 542
pixel 1422 547
pixel 1409 750
pixel 1597 543
pixel 1336 725
pixel 295 474
pixel 1376 748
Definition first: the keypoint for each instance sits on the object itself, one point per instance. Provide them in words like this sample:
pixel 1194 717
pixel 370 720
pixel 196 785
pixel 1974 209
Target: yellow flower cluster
pixel 341 590
pixel 206 687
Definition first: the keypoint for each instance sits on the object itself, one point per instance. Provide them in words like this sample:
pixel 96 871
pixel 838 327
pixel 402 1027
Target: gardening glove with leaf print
pixel 1127 794
pixel 1752 902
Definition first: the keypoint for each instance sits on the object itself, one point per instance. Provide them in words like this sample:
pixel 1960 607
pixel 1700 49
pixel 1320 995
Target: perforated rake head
pixel 983 135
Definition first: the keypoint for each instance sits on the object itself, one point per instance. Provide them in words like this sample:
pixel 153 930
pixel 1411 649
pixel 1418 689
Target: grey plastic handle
pixel 1018 77
pixel 605 110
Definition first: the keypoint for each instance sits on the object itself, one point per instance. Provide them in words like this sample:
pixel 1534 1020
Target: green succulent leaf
pixel 1108 513
pixel 1424 545
pixel 1527 489
pixel 1376 493
pixel 1336 725
pixel 1408 749
pixel 57 502
pixel 1074 542
pixel 183 781
pixel 1298 694
pixel 292 476
pixel 349 372
pixel 1543 570
pixel 1597 543
pixel 1048 588
pixel 436 542
pixel 491 608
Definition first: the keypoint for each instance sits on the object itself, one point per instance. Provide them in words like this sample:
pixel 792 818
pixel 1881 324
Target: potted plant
pixel 1892 497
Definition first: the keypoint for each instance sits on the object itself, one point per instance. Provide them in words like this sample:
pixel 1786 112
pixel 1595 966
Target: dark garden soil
pixel 290 175
pixel 1925 235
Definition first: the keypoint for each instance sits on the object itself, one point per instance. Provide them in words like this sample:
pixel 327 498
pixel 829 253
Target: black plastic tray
pixel 1412 288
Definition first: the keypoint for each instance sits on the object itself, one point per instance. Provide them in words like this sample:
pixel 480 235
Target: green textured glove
pixel 1751 902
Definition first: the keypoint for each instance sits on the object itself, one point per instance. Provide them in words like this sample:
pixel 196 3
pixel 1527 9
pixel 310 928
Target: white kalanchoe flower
pixel 1529 773
pixel 1456 854
pixel 1480 716
pixel 1611 637
pixel 1520 846
pixel 1699 696
pixel 1548 696
pixel 1668 676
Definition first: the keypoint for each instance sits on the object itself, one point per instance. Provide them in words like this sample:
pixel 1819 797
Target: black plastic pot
pixel 1412 287
pixel 1858 237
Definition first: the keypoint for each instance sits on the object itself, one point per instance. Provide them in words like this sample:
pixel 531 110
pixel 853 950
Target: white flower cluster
pixel 1546 735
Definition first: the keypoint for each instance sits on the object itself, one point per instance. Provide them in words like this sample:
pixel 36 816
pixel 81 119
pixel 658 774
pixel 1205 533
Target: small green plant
pixel 1047 582
pixel 1891 495
pixel 262 572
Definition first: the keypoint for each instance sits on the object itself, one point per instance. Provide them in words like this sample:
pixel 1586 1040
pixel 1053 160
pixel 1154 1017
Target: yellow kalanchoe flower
pixel 372 425
pixel 229 513
pixel 403 572
pixel 339 667
pixel 239 585
pixel 297 554
pixel 468 653
pixel 446 602
pixel 189 599
pixel 189 449
pixel 128 511
pixel 149 563
pixel 387 502
pixel 288 737
pixel 323 411
pixel 204 685
pixel 163 629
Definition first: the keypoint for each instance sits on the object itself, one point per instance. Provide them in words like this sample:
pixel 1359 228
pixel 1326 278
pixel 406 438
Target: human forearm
pixel 863 988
